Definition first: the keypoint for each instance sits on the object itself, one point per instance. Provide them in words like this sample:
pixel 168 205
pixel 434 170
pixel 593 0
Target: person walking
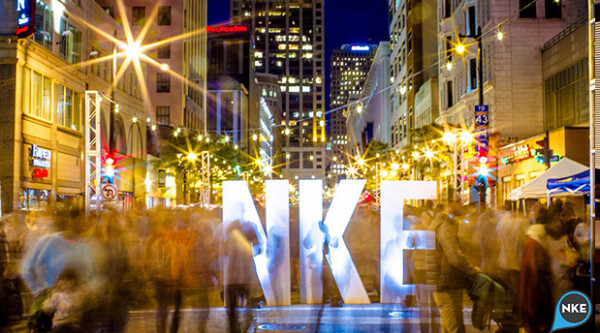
pixel 452 272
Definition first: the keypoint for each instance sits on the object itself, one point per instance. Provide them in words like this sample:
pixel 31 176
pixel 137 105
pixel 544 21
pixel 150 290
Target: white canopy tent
pixel 536 188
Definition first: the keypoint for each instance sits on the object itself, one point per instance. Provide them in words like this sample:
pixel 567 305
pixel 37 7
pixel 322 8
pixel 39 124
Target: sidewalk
pixel 297 318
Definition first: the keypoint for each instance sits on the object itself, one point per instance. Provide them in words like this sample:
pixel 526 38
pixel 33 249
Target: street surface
pixel 296 318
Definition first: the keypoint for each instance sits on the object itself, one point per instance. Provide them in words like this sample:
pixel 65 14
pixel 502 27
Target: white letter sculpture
pixel 313 235
pixel 395 239
pixel 273 262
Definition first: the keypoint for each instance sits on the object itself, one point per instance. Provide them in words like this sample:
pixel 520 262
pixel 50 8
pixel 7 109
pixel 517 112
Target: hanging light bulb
pixel 449 65
pixel 500 35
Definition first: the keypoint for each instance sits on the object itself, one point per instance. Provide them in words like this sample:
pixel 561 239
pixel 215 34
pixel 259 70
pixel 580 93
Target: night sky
pixel 346 22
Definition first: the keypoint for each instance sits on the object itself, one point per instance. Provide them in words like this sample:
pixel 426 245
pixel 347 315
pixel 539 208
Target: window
pixel 471 21
pixel 163 115
pixel 43 25
pixel 37 94
pixel 553 9
pixel 472 73
pixel 447 8
pixel 527 9
pixel 68 112
pixel 138 16
pixel 449 94
pixel 70 42
pixel 449 47
pixel 163 82
pixel 164 51
pixel 409 42
pixel 164 15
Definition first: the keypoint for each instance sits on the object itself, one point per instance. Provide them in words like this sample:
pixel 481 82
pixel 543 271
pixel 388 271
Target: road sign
pixel 482 123
pixel 109 191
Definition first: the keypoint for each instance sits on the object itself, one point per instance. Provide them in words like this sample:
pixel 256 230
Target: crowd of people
pixel 85 273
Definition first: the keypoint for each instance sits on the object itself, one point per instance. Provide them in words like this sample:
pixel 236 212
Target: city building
pixel 233 96
pixel 413 26
pixel 270 120
pixel 349 67
pixel 565 78
pixel 512 61
pixel 565 112
pixel 373 120
pixel 176 88
pixel 43 107
pixel 289 37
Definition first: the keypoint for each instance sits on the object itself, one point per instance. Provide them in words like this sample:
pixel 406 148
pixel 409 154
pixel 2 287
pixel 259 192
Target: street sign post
pixel 482 124
pixel 109 191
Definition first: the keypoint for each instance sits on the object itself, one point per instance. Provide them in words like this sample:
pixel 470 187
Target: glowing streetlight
pixel 133 51
pixel 429 153
pixel 287 156
pixel 449 66
pixel 449 138
pixel 466 137
pixel 460 49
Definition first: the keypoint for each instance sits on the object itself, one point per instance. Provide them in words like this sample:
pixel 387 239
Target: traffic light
pixel 109 167
pixel 547 153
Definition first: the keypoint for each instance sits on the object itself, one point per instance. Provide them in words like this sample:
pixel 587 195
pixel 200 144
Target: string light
pixel 449 66
pixel 359 108
pixel 134 119
pixel 148 120
pixel 500 35
pixel 153 127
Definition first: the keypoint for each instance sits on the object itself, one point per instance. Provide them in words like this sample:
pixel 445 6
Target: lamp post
pixel 481 185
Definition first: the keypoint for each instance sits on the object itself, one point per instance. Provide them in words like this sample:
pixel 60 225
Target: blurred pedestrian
pixel 454 272
pixel 51 254
pixel 548 266
pixel 65 303
pixel 240 272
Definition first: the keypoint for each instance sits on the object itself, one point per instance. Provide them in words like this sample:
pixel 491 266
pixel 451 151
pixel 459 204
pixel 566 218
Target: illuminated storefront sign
pixel 360 48
pixel 40 157
pixel 226 28
pixel 40 173
pixel 25 17
pixel 516 154
pixel 272 254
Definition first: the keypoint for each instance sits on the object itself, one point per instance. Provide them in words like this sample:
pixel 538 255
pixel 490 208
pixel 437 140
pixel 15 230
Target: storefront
pixel 521 162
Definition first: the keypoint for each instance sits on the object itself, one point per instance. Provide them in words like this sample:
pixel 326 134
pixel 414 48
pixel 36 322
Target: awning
pixel 536 188
pixel 575 184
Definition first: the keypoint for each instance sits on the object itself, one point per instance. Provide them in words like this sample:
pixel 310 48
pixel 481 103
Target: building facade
pixel 349 67
pixel 373 120
pixel 43 108
pixel 413 64
pixel 289 37
pixel 512 61
pixel 233 96
pixel 270 121
pixel 177 82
